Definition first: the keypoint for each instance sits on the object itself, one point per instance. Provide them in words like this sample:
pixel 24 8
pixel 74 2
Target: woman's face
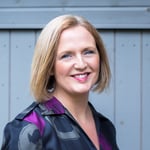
pixel 77 62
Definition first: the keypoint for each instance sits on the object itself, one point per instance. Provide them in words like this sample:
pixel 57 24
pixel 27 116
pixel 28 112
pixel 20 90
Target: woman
pixel 69 61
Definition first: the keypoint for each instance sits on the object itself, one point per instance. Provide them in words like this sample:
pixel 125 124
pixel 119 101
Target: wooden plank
pixel 72 3
pixel 146 90
pixel 104 18
pixel 128 89
pixel 4 79
pixel 22 46
pixel 104 102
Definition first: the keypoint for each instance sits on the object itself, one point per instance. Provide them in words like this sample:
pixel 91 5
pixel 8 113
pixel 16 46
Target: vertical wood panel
pixel 104 102
pixel 128 89
pixel 146 91
pixel 4 79
pixel 22 45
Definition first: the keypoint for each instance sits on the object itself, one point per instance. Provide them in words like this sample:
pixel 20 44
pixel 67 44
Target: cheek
pixel 96 64
pixel 60 69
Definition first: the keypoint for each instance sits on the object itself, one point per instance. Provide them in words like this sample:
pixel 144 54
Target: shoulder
pixel 103 119
pixel 27 111
pixel 31 115
pixel 106 125
pixel 108 132
pixel 22 131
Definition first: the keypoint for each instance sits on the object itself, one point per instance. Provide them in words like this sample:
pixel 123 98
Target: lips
pixel 81 77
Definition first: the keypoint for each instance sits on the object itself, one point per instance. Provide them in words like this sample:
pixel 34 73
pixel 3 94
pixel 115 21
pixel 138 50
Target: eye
pixel 66 56
pixel 89 52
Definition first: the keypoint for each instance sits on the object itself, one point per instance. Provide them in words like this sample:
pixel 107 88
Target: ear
pixel 51 72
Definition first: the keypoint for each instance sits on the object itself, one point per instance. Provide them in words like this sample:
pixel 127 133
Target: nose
pixel 80 63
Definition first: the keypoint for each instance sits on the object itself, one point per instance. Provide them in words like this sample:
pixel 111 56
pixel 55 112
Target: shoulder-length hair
pixel 42 79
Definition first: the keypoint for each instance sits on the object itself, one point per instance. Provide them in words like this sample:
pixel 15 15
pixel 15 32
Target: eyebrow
pixel 86 48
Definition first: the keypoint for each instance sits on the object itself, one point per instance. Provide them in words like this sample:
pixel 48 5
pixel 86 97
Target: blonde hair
pixel 42 79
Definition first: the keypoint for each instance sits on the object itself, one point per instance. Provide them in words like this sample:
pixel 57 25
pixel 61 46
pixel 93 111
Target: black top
pixel 50 126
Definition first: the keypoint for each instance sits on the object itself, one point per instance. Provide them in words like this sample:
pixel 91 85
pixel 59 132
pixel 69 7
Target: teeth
pixel 81 75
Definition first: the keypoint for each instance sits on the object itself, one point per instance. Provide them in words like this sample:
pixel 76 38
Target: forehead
pixel 74 31
pixel 76 36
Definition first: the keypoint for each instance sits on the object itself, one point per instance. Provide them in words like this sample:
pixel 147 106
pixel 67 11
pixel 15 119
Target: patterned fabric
pixel 50 126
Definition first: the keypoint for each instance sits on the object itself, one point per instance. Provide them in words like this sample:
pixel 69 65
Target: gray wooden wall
pixel 125 29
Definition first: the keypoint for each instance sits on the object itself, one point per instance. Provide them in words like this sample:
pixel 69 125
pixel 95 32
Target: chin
pixel 82 91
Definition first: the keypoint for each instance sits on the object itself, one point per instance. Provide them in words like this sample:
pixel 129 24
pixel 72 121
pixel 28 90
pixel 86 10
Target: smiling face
pixel 77 63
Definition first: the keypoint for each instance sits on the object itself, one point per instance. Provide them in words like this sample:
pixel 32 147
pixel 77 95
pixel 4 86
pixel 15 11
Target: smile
pixel 81 77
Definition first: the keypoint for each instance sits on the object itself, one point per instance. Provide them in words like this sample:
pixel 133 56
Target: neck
pixel 77 105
